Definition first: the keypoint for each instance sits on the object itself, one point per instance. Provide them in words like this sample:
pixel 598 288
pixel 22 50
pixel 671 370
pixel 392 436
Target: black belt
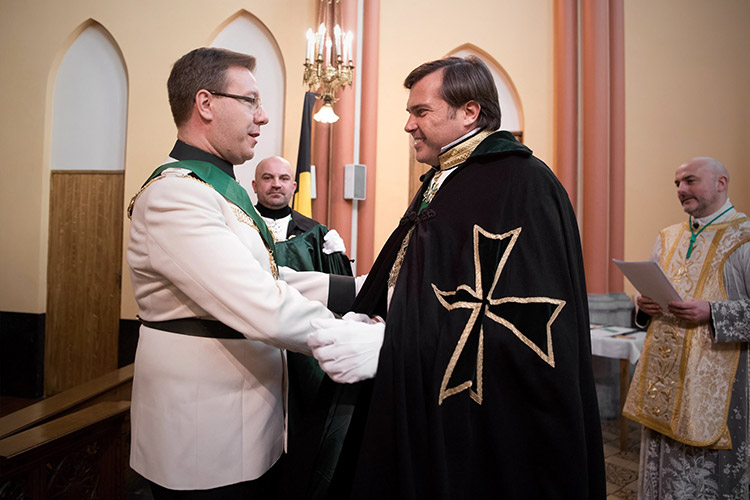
pixel 196 327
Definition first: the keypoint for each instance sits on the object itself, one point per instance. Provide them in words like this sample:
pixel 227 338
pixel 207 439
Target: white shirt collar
pixel 460 139
pixel 708 218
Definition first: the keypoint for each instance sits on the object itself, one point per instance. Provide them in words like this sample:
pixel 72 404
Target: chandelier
pixel 328 58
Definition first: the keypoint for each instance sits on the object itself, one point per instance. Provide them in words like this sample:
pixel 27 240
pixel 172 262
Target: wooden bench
pixel 114 386
pixel 74 444
pixel 79 455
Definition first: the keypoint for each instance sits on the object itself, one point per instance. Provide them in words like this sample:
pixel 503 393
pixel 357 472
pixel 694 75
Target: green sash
pixel 225 186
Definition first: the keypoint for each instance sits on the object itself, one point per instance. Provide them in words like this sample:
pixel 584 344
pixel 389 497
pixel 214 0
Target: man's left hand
pixel 693 311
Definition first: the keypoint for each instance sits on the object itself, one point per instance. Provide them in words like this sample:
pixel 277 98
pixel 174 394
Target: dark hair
pixel 203 68
pixel 464 79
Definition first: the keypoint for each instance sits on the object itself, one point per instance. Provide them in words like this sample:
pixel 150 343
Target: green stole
pixel 225 186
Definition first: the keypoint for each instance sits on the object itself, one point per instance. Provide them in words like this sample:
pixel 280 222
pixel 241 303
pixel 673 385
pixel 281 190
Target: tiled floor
pixel 622 466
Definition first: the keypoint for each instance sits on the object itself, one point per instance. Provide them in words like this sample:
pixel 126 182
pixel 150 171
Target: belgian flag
pixel 302 202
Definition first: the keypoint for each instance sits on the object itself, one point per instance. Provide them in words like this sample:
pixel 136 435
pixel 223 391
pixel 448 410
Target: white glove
pixel 332 242
pixel 347 349
pixel 362 318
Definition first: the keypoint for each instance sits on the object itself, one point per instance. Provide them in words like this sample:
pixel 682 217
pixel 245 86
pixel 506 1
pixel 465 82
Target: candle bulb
pixel 321 38
pixel 337 37
pixel 310 49
pixel 348 46
pixel 328 50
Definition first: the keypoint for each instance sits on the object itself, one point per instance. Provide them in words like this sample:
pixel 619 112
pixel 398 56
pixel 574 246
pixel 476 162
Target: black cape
pixel 536 433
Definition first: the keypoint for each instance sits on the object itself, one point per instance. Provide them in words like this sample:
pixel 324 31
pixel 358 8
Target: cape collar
pixel 483 143
pixel 459 140
pixel 458 153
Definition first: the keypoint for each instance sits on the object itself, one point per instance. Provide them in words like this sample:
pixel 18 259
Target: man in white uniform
pixel 690 388
pixel 208 392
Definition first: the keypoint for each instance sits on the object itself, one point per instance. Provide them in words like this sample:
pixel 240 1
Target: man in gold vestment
pixel 690 388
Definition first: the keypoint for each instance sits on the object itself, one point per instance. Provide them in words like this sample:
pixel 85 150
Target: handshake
pixel 347 349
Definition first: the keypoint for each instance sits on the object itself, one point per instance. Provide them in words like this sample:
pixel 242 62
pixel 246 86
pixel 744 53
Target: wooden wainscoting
pixel 83 276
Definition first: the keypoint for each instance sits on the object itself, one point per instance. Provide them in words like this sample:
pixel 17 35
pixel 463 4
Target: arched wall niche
pixel 510 104
pixel 243 32
pixel 47 164
pixel 87 124
pixel 89 103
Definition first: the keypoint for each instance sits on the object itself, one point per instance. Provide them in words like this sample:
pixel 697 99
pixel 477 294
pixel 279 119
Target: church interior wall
pixel 686 95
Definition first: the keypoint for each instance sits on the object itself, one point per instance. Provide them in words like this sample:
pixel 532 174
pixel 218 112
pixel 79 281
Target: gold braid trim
pixel 393 276
pixel 135 197
pixel 461 152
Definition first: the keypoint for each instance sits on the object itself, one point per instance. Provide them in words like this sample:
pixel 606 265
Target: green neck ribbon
pixel 694 235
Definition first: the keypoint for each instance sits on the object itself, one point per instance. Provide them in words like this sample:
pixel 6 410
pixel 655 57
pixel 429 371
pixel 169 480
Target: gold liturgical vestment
pixel 683 382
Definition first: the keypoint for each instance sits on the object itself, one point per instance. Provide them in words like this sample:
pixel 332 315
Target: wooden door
pixel 83 276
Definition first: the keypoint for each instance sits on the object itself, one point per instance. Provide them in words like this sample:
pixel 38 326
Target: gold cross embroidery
pixel 479 300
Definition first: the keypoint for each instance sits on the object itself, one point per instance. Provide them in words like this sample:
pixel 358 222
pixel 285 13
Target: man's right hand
pixel 347 349
pixel 648 306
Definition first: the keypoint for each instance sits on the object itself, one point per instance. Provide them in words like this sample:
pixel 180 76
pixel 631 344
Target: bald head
pixel 274 182
pixel 702 186
pixel 273 163
pixel 706 164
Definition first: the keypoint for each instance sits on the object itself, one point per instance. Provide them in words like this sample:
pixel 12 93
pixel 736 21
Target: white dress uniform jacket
pixel 209 412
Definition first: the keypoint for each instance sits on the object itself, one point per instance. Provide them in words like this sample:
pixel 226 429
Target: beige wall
pixel 686 89
pixel 687 94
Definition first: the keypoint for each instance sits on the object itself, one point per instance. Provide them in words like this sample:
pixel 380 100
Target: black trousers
pixel 265 488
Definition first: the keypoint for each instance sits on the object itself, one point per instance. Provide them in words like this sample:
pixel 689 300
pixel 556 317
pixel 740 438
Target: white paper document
pixel 650 281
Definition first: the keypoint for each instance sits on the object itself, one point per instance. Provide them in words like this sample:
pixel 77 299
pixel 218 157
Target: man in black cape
pixel 484 387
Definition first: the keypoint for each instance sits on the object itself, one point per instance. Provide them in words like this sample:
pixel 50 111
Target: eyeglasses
pixel 254 102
